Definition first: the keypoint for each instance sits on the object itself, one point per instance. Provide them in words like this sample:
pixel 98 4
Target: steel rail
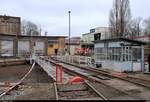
pixel 109 74
pixel 88 78
pixel 19 82
pixel 55 88
pixel 98 93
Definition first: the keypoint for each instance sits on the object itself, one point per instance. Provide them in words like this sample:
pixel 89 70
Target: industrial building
pixel 88 38
pixel 10 25
pixel 120 54
pixel 73 45
pixel 22 46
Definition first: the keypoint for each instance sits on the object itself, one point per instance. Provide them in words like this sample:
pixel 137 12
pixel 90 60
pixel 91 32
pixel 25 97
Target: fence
pixel 75 59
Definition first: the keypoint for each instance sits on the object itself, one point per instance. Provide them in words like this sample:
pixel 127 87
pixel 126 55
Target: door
pixel 39 47
pixel 56 51
pixel 7 48
pixel 23 48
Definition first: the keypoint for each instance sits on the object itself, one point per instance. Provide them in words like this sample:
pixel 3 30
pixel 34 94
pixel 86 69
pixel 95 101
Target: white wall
pixel 99 45
pixel 136 66
pixel 73 48
pixel 116 66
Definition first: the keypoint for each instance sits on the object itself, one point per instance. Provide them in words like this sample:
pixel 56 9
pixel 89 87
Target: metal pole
pixel 69 31
pixel 142 58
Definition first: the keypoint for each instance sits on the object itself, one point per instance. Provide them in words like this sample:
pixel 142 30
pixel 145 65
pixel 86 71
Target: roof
pixel 34 36
pixel 86 33
pixel 73 41
pixel 120 39
pixel 137 37
pixel 10 16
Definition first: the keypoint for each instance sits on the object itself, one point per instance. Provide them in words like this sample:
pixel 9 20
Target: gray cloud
pixel 53 14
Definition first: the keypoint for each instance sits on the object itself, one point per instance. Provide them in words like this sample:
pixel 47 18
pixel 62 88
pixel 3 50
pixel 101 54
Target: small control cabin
pixel 120 54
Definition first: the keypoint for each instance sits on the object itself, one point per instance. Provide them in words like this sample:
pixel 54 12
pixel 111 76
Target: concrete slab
pixel 143 95
pixel 93 98
pixel 123 85
pixel 123 98
pixel 71 87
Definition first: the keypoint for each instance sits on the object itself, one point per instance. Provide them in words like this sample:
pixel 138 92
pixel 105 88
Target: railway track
pixel 142 82
pixel 80 91
pixel 77 91
pixel 88 92
pixel 95 80
pixel 18 83
pixel 107 75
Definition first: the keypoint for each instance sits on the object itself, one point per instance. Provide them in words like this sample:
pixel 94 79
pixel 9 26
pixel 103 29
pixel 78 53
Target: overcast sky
pixel 52 15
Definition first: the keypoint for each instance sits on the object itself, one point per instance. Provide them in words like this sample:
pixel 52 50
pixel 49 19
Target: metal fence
pixel 75 59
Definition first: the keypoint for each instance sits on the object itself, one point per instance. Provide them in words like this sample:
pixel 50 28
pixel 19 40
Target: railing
pixel 48 68
pixel 75 59
pixel 54 71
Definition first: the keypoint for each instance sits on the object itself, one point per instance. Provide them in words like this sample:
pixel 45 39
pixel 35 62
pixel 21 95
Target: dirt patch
pixel 37 86
pixel 13 73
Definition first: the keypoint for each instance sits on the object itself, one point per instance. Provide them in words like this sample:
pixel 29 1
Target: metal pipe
pixel 69 31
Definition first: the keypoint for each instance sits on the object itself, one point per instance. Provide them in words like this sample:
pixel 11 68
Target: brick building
pixel 10 25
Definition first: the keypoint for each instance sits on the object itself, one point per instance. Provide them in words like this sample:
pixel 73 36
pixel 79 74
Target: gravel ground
pixel 121 90
pixel 13 73
pixel 37 86
pixel 141 76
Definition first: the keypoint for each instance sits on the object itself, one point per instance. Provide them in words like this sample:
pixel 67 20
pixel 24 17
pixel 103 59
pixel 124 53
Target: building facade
pixel 74 45
pixel 10 25
pixel 120 54
pixel 88 38
pixel 23 46
pixel 56 45
pixel 145 38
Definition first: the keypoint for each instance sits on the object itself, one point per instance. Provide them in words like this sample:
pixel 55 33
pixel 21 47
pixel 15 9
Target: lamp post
pixel 69 31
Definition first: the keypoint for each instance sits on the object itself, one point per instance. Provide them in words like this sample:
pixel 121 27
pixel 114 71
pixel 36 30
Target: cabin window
pixel 114 53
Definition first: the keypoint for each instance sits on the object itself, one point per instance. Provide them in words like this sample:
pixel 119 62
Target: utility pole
pixel 69 31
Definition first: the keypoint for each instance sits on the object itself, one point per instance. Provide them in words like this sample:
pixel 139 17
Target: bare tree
pixel 119 18
pixel 29 28
pixel 135 28
pixel 147 26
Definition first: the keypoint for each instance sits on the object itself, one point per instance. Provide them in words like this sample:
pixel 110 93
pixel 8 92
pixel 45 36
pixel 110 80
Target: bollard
pixel 61 74
pixel 56 72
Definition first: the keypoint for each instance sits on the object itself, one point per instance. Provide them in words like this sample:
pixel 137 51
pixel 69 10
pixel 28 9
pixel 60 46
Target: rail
pixel 19 82
pixel 135 81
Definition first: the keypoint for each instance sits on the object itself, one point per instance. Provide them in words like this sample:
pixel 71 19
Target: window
pixel 112 53
pixel 101 53
pixel 137 54
pixel 126 53
pixel 97 36
pixel 116 53
pixel 92 30
pixel 50 45
pixel 52 41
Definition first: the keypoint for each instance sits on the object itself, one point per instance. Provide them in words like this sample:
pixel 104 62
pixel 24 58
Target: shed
pixel 120 54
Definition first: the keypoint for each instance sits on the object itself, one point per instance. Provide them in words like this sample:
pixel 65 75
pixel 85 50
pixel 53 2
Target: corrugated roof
pixel 120 39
